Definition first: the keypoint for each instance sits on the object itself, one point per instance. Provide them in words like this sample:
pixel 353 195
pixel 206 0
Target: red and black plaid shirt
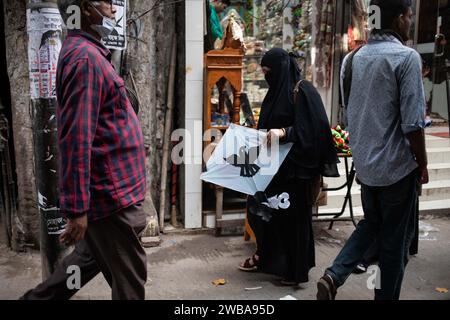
pixel 101 147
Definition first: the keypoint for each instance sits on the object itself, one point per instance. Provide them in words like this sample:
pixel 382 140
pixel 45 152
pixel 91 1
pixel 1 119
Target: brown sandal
pixel 250 264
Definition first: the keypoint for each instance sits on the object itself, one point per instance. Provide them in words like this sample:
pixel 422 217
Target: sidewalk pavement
pixel 185 265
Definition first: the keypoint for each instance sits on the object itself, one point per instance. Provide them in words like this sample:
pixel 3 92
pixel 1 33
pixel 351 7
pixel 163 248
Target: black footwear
pixel 326 290
pixel 360 268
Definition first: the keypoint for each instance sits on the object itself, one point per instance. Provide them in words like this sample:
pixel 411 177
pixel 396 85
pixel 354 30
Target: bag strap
pixel 348 76
pixel 297 89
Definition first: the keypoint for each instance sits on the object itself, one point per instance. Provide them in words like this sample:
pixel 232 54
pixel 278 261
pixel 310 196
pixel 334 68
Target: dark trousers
pixel 373 254
pixel 389 217
pixel 110 246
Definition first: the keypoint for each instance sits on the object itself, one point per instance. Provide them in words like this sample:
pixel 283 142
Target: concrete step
pixel 439 171
pixel 438 207
pixel 436 171
pixel 436 142
pixel 438 155
pixel 435 190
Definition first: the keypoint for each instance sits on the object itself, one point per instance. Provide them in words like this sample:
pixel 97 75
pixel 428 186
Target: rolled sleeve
pixel 78 112
pixel 412 95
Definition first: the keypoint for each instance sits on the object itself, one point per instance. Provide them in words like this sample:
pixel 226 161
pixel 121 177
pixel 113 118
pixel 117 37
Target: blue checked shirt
pixel 386 103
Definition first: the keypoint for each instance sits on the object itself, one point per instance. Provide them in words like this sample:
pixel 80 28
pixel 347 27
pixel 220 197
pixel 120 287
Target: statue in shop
pixel 237 18
pixel 234 33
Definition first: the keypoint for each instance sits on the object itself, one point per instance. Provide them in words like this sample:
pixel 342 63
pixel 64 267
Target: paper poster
pixel 117 39
pixel 55 223
pixel 44 44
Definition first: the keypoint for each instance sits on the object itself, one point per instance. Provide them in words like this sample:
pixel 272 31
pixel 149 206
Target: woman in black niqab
pixel 285 242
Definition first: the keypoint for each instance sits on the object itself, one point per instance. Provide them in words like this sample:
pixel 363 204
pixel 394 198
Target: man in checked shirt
pixel 101 162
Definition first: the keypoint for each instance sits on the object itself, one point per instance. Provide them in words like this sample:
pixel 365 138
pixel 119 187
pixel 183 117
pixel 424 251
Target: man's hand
pixel 280 133
pixel 75 230
pixel 424 176
pixel 417 143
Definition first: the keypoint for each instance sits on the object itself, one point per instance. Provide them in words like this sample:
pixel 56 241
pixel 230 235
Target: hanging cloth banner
pixel 117 40
pixel 242 162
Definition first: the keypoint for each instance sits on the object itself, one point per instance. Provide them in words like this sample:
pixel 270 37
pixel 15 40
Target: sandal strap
pixel 251 262
pixel 254 260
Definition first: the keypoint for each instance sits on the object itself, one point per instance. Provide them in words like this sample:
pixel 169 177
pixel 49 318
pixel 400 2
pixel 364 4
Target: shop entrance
pixel 432 38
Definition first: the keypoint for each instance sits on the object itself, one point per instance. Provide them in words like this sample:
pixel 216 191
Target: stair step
pixel 435 190
pixel 437 142
pixel 438 155
pixel 441 207
pixel 436 171
pixel 439 171
pixel 435 155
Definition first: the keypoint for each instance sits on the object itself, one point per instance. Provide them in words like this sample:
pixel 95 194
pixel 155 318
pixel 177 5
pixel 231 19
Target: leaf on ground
pixel 219 282
pixel 442 290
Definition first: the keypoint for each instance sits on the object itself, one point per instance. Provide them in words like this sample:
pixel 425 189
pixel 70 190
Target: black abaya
pixel 285 242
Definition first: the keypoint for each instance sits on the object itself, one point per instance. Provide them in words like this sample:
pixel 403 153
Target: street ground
pixel 185 264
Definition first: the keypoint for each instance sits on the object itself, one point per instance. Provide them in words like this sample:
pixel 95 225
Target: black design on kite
pixel 245 160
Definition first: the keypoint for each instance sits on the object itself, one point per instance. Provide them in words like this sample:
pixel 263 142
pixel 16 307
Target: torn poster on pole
pixel 44 44
pixel 243 162
pixel 117 40
pixel 44 27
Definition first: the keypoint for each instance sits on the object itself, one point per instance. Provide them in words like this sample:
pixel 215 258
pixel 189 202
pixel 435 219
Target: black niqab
pixel 277 107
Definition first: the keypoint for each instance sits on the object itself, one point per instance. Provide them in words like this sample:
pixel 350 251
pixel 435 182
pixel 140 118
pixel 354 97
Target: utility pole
pixel 44 26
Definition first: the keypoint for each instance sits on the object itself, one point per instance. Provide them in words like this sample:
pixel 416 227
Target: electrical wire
pixel 156 5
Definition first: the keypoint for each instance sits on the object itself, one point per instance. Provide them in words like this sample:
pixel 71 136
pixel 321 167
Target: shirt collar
pixel 80 33
pixel 384 36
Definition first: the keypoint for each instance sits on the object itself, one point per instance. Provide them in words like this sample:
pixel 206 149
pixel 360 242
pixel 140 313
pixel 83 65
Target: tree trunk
pixel 25 229
pixel 148 58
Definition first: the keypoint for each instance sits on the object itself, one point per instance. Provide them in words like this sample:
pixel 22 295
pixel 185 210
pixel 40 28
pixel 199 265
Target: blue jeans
pixel 389 214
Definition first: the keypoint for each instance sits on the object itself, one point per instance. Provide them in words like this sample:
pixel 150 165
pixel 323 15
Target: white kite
pixel 242 162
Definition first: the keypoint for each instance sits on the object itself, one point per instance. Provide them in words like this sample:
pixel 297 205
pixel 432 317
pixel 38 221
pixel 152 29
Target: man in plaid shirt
pixel 101 162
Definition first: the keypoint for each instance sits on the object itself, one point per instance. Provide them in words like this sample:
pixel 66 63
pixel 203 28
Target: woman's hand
pixel 275 134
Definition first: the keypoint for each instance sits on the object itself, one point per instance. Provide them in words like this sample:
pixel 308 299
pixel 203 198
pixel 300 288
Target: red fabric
pixel 440 134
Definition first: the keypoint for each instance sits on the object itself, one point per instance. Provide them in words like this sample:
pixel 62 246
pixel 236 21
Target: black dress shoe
pixel 326 289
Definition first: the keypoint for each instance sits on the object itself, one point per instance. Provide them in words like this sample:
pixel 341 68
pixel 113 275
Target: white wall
pixel 194 111
pixel 440 105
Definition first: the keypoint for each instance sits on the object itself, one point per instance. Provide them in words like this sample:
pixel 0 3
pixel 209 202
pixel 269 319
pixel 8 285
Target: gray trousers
pixel 110 246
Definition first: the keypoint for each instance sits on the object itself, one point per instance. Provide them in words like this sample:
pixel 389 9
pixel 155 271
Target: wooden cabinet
pixel 222 68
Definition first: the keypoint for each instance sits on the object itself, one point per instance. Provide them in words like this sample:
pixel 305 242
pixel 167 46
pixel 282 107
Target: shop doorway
pixel 432 39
